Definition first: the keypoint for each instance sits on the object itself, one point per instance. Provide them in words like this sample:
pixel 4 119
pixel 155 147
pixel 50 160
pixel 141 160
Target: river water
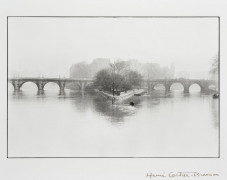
pixel 83 124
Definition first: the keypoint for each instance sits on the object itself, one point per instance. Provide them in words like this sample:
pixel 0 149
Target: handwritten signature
pixel 180 174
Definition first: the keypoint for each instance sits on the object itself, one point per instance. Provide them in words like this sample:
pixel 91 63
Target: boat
pixel 215 96
pixel 132 103
pixel 139 94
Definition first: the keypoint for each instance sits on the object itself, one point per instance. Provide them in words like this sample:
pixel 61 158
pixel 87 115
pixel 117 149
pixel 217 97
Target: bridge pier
pixel 167 87
pixel 150 87
pixel 82 86
pixel 40 85
pixel 186 89
pixel 40 92
pixel 205 89
pixel 186 86
pixel 16 85
pixel 62 92
pixel 62 87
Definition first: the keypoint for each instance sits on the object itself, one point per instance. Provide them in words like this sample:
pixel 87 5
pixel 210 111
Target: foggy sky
pixel 49 46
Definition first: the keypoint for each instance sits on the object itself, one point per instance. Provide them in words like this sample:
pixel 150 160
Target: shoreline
pixel 122 96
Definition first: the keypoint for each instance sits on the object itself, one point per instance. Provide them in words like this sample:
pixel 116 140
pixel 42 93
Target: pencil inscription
pixel 180 174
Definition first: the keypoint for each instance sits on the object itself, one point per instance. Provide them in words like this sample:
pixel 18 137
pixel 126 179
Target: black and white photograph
pixel 113 86
pixel 113 90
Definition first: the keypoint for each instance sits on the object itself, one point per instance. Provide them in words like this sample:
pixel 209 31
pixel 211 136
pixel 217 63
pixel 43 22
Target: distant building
pixel 83 70
pixel 172 70
pixel 183 74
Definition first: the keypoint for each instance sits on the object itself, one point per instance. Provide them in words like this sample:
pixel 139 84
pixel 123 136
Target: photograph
pixel 113 87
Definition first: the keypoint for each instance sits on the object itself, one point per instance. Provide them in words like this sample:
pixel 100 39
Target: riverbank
pixel 122 96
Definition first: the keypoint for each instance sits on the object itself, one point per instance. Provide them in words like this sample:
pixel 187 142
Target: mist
pixel 48 47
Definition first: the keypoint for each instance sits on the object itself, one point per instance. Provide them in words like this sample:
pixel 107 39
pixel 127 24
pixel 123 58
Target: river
pixel 83 124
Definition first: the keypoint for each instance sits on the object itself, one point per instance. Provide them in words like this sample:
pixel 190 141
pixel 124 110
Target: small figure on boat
pixel 131 103
pixel 215 96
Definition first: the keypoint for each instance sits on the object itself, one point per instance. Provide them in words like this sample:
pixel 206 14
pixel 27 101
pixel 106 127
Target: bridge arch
pixel 212 87
pixel 197 87
pixel 51 82
pixel 25 82
pixel 177 86
pixel 158 86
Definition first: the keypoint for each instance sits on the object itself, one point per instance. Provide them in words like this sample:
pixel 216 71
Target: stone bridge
pixel 82 83
pixel 186 83
pixel 41 82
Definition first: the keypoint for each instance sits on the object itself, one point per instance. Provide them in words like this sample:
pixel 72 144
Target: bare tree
pixel 117 78
pixel 214 66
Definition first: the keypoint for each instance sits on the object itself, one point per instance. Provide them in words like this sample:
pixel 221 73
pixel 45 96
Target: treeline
pixel 83 70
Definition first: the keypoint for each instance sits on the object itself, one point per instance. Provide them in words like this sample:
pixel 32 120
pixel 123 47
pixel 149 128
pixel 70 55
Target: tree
pixel 117 78
pixel 214 66
pixel 103 80
pixel 108 81
pixel 133 79
pixel 214 70
pixel 119 67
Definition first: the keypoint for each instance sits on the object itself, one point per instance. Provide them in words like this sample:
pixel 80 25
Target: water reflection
pixel 82 101
pixel 17 94
pixel 114 113
pixel 91 101
pixel 77 123
pixel 35 94
pixel 215 111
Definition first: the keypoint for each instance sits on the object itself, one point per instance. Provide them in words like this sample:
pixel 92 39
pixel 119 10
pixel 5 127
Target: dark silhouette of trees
pixel 103 80
pixel 117 78
pixel 214 70
pixel 214 66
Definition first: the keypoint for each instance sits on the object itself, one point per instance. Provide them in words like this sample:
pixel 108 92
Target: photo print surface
pixel 113 87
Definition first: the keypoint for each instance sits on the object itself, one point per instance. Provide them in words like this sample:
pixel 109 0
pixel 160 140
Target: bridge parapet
pixel 186 83
pixel 41 82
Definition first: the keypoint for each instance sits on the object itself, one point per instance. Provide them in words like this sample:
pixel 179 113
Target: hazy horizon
pixel 49 46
